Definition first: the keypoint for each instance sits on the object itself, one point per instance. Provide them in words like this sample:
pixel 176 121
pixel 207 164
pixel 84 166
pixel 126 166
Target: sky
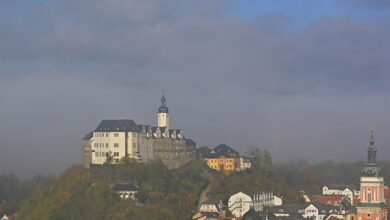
pixel 303 79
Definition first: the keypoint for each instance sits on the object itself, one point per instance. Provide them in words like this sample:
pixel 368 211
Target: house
pixel 126 190
pixel 333 199
pixel 225 158
pixel 342 203
pixel 210 206
pixel 245 163
pixel 239 204
pixel 348 191
pixel 209 210
pixel 3 216
pixel 265 199
pixel 222 162
pixel 314 211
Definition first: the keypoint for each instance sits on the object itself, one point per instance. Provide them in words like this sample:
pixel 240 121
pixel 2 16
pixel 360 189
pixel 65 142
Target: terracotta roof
pixel 356 201
pixel 327 199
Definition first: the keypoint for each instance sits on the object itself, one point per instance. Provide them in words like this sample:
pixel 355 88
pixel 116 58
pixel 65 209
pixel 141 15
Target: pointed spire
pixel 371 148
pixel 372 141
pixel 163 100
pixel 163 108
pixel 372 168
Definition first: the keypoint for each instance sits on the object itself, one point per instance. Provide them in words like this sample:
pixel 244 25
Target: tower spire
pixel 163 113
pixel 371 148
pixel 163 108
pixel 372 141
pixel 372 168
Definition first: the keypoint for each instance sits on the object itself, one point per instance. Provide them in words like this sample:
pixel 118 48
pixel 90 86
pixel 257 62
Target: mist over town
pixel 88 83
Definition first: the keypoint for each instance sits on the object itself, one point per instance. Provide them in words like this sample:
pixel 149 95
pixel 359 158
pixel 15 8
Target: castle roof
pixel 226 150
pixel 88 136
pixel 116 125
pixel 218 155
pixel 129 126
pixel 190 142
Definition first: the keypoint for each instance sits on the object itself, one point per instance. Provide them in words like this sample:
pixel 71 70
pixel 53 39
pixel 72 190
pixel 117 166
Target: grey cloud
pixel 297 91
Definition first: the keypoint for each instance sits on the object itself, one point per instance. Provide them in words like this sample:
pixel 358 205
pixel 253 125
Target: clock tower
pixel 163 114
pixel 372 204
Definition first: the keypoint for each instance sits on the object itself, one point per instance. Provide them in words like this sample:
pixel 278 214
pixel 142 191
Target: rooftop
pixel 125 187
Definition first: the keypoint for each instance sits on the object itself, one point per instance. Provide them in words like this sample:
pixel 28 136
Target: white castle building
pixel 113 140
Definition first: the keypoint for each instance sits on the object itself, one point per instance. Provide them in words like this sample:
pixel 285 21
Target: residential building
pixel 221 162
pixel 113 140
pixel 225 158
pixel 3 216
pixel 126 190
pixel 245 163
pixel 314 211
pixel 348 191
pixel 265 199
pixel 239 204
pixel 209 206
pixel 334 200
pixel 210 210
pixel 372 201
pixel 206 216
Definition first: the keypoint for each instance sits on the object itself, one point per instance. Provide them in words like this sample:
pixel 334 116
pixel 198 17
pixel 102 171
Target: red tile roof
pixel 356 201
pixel 327 199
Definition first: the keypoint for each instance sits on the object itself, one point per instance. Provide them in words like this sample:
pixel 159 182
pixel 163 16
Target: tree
pixel 203 151
pixel 261 158
pixel 109 158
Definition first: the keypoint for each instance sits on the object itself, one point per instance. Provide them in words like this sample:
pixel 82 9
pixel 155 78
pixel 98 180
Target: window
pixel 106 144
pixel 116 144
pixel 96 154
pixel 116 135
pixel 106 134
pixel 369 197
pixel 116 154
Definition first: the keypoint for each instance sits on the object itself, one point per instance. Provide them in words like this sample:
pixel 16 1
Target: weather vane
pixel 372 129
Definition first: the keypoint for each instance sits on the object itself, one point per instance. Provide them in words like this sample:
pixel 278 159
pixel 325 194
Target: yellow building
pixel 222 163
pixel 223 158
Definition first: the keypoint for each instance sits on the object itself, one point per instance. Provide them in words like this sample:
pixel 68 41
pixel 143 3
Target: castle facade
pixel 114 140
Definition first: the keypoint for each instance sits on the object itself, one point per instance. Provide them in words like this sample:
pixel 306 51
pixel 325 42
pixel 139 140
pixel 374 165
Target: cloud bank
pixel 301 90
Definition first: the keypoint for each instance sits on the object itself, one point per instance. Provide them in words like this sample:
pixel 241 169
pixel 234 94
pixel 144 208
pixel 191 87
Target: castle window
pixel 116 135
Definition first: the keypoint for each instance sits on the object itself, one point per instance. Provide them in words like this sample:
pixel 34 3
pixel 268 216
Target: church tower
pixel 163 114
pixel 372 204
